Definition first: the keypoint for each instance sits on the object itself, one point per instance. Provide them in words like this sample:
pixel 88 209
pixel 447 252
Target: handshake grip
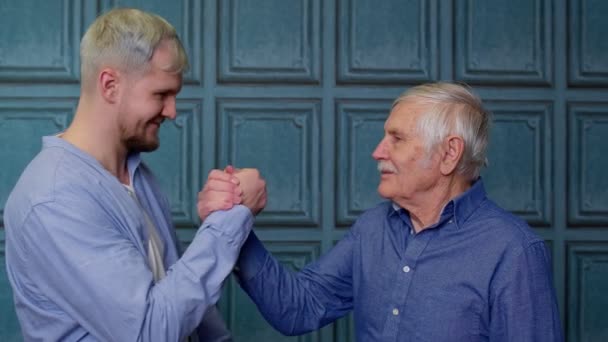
pixel 253 188
pixel 229 187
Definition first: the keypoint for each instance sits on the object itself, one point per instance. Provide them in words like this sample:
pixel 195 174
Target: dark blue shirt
pixel 478 274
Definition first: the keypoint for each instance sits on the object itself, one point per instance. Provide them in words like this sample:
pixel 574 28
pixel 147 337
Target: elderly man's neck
pixel 425 208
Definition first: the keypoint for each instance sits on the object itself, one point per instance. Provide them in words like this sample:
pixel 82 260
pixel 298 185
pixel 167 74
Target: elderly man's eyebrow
pixel 396 132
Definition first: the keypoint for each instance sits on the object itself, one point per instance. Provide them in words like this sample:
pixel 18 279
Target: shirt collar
pixel 133 162
pixel 463 205
pixel 459 208
pixel 56 141
pixel 133 159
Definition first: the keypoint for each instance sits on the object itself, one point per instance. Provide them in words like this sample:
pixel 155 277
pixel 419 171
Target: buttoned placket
pixel 415 245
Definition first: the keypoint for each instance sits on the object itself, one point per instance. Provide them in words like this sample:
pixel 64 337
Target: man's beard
pixel 136 144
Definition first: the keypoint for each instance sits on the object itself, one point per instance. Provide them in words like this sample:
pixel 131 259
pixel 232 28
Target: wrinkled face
pixel 147 101
pixel 405 167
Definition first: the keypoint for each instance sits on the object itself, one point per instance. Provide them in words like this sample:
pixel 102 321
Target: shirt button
pixel 406 269
pixel 450 221
pixel 395 312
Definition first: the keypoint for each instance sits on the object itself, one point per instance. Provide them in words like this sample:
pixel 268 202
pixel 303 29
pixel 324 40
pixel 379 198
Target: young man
pixel 437 262
pixel 90 246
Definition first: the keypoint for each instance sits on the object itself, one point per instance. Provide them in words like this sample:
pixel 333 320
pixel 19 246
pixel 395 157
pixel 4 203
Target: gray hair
pixel 126 38
pixel 453 109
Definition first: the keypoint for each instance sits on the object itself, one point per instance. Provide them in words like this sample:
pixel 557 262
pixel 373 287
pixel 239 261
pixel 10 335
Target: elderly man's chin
pixel 384 190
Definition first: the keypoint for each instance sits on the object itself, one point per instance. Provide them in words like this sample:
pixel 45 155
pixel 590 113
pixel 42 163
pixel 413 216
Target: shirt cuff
pixel 235 223
pixel 252 258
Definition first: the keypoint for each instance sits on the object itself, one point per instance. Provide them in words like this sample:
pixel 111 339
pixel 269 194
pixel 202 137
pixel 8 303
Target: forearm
pixel 293 303
pixel 104 283
pixel 193 285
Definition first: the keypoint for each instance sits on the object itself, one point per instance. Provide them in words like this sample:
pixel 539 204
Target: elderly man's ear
pixel 451 153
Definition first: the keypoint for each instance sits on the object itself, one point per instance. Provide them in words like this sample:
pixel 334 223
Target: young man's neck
pixel 92 133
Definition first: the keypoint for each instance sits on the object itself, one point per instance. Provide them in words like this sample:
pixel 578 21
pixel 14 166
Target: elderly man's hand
pixel 254 189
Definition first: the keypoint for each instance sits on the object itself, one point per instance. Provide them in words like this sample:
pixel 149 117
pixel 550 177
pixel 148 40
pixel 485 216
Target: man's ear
pixel 109 82
pixel 453 149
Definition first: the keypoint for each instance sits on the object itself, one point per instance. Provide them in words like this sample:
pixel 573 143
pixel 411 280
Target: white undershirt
pixel 155 249
pixel 155 246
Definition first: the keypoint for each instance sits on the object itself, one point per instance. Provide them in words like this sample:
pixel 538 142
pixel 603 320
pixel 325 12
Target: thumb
pixel 229 169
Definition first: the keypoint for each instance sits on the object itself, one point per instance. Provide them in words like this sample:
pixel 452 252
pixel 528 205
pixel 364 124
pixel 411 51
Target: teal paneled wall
pixel 300 89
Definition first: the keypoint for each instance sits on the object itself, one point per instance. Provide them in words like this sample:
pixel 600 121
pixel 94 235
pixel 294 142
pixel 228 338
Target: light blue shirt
pixel 76 255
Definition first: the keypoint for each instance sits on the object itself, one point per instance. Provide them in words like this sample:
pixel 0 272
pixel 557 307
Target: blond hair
pixel 453 110
pixel 126 39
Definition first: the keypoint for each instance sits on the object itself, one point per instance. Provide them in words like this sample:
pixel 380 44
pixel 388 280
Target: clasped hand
pixel 229 187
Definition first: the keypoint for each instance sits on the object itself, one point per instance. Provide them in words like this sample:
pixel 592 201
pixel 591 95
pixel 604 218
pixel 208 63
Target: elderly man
pixel 437 262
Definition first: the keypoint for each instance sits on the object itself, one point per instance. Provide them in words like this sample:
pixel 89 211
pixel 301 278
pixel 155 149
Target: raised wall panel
pixel 269 41
pixel 186 17
pixel 519 176
pixel 361 127
pixel 392 41
pixel 23 123
pixel 588 46
pixel 9 325
pixel 587 181
pixel 344 329
pixel 175 163
pixel 245 322
pixel 504 42
pixel 40 45
pixel 587 287
pixel 300 89
pixel 281 139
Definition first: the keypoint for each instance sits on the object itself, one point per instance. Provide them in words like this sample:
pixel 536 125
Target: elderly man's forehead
pixel 406 111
